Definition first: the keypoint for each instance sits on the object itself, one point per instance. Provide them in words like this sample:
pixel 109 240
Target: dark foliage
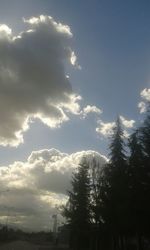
pixel 78 210
pixel 9 234
pixel 111 207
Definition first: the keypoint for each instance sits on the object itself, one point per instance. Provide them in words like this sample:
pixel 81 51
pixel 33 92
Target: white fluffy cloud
pixel 145 95
pixel 127 123
pixel 142 107
pixel 33 81
pixel 90 109
pixel 106 128
pixel 31 190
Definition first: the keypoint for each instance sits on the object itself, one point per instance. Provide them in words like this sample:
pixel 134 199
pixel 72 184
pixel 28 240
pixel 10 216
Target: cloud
pixel 5 30
pixel 105 128
pixel 33 81
pixel 31 190
pixel 127 123
pixel 73 60
pixel 142 107
pixel 90 109
pixel 145 95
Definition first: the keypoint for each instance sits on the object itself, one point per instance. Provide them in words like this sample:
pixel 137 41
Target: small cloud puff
pixel 145 95
pixel 90 109
pixel 142 107
pixel 127 123
pixel 106 128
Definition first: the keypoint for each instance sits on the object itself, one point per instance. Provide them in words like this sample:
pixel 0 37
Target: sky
pixel 68 69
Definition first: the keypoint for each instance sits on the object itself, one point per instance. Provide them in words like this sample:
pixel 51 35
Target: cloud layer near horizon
pixel 31 190
pixel 33 82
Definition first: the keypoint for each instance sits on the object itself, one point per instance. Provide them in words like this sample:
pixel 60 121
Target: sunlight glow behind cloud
pixel 33 82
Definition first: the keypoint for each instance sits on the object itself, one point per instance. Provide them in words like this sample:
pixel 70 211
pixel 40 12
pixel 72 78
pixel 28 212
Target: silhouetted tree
pixel 114 189
pixel 144 136
pixel 113 203
pixel 77 210
pixel 136 167
pixel 95 204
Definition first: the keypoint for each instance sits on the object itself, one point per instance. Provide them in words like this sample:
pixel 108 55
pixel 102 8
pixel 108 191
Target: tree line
pixel 109 207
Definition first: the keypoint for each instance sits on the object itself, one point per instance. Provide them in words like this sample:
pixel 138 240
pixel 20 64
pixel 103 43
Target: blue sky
pixel 112 42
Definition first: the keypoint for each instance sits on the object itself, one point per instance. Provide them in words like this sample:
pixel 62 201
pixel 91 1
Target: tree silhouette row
pixel 109 207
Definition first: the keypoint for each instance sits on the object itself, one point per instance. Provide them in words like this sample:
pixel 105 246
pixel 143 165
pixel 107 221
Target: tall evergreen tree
pixel 144 135
pixel 117 152
pixel 114 191
pixel 77 212
pixel 136 166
